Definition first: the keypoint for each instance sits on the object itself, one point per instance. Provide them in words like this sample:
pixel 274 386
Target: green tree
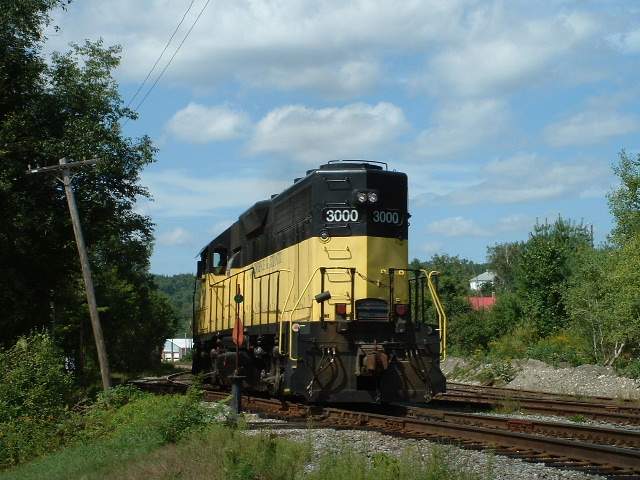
pixel 589 300
pixel 503 259
pixel 179 291
pixel 70 107
pixel 546 263
pixel 625 283
pixel 624 201
pixel 603 302
pixel 453 281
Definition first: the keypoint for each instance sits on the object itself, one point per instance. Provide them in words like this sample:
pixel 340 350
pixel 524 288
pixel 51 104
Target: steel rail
pixel 607 412
pixel 589 433
pixel 633 403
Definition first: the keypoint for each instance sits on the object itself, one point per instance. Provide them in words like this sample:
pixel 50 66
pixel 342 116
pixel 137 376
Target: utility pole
pixel 65 169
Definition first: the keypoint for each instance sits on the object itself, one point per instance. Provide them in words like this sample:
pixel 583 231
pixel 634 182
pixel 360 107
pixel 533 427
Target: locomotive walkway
pixel 593 449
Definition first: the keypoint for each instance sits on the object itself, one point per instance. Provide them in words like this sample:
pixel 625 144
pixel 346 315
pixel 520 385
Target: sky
pixel 502 113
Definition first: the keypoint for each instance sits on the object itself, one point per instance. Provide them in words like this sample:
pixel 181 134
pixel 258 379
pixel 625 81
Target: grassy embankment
pixel 139 436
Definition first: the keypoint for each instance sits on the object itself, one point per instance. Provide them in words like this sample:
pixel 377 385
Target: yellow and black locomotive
pixel 318 278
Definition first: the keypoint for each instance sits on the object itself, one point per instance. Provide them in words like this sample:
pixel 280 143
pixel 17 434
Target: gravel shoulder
pixel 584 380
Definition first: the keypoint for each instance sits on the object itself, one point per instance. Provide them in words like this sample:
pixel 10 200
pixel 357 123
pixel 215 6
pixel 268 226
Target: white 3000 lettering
pixel 382 216
pixel 341 215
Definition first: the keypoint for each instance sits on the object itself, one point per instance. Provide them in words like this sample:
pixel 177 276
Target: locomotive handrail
pixel 284 307
pixel 221 284
pixel 442 316
pixel 355 160
pixel 230 276
pixel 337 180
pixel 294 309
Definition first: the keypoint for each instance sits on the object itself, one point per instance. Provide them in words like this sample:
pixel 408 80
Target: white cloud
pixel 310 135
pixel 352 76
pixel 339 49
pixel 628 42
pixel 459 126
pixel 429 248
pixel 178 194
pixel 175 237
pixel 500 50
pixel 590 127
pixel 528 177
pixel 513 167
pixel 332 46
pixel 201 124
pixel 457 227
pixel 514 222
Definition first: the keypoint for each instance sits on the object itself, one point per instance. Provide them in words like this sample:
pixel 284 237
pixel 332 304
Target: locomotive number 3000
pixel 385 216
pixel 346 215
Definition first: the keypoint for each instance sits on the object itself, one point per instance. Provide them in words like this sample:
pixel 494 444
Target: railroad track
pixel 597 408
pixel 611 452
pixel 594 434
pixel 560 396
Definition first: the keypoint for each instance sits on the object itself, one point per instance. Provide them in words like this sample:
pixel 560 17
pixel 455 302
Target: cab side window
pixel 219 261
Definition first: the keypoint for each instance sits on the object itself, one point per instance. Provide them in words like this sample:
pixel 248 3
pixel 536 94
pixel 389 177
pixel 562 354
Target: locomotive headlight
pixel 373 197
pixel 362 197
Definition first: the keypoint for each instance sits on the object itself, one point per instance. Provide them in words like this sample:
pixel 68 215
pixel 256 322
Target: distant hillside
pixel 179 289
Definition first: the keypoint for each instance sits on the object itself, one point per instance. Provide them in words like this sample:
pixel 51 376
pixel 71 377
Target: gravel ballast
pixel 584 380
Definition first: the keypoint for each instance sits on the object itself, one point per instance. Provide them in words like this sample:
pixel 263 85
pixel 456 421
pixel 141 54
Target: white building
pixel 176 348
pixel 486 278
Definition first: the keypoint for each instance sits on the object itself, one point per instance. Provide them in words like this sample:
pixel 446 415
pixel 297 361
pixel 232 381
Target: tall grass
pixel 110 433
pixel 221 453
pixel 410 465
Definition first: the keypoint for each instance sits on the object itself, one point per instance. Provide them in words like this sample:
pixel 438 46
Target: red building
pixel 481 303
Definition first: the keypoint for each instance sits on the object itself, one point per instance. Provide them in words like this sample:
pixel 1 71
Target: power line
pixel 161 54
pixel 172 56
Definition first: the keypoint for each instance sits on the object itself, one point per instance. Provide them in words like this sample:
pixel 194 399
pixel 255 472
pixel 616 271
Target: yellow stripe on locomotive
pixel 279 288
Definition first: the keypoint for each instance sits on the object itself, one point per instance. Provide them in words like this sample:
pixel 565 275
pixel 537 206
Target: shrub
pixel 118 396
pixel 128 412
pixel 499 373
pixel 513 344
pixel 561 348
pixel 477 329
pixel 505 315
pixel 35 390
pixel 470 331
pixel 628 367
pixel 33 380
